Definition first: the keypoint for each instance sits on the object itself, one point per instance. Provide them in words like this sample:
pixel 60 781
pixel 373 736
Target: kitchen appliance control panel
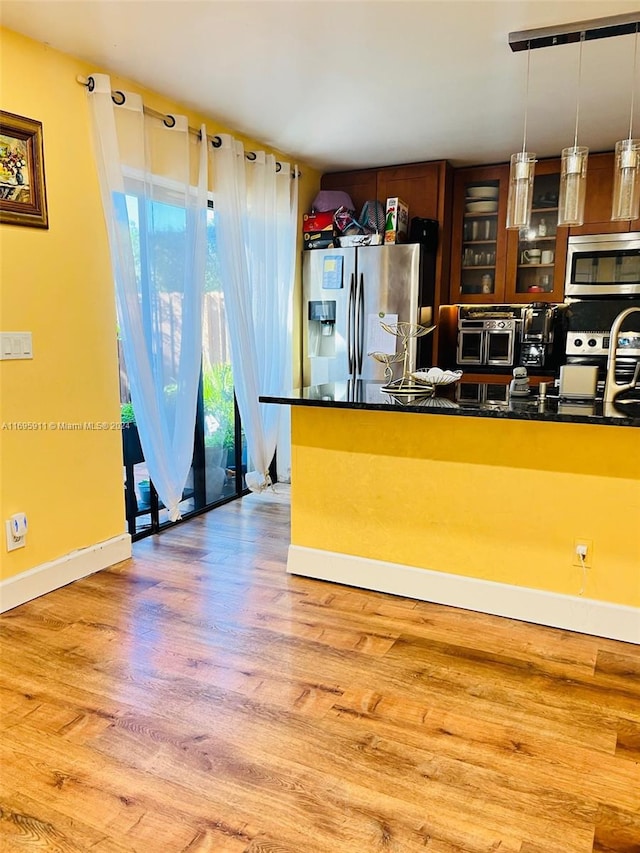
pixel 489 325
pixel 597 343
pixel 500 324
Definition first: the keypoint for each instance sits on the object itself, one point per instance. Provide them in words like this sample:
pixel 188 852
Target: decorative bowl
pixel 387 357
pixel 435 376
pixel 404 330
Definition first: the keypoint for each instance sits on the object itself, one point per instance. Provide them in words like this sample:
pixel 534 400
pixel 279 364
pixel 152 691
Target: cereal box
pixel 396 229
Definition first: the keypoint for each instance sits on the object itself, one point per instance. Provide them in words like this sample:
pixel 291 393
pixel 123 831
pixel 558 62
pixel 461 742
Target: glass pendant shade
pixel 573 184
pixel 520 189
pixel 626 187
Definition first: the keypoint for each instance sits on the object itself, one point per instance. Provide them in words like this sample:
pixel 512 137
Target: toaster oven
pixel 487 336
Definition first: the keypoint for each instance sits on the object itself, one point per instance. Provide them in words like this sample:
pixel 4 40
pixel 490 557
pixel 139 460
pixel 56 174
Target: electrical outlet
pixel 14 542
pixel 583 547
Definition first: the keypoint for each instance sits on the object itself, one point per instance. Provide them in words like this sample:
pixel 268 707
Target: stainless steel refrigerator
pixel 346 295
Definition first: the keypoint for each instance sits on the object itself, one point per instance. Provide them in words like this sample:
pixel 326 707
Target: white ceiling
pixel 355 83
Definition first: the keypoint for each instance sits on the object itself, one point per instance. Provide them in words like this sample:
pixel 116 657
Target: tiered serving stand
pixel 422 383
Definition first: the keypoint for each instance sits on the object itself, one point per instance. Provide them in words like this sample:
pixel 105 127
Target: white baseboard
pixel 586 616
pixel 49 576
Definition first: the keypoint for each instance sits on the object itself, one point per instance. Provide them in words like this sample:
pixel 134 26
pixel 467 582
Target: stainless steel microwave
pixel 603 265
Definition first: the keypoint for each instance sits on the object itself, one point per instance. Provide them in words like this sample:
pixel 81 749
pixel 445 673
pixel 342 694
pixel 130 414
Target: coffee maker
pixel 540 338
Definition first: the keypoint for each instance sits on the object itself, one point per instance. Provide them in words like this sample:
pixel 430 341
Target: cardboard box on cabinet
pixel 318 221
pixel 319 240
pixel 396 228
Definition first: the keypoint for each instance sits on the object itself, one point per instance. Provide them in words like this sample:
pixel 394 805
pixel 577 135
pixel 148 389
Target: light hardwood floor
pixel 197 699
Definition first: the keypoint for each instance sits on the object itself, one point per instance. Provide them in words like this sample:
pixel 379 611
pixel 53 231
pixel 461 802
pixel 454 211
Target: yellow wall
pixel 57 284
pixel 500 500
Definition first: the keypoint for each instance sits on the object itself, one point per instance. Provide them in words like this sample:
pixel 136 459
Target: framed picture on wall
pixel 23 199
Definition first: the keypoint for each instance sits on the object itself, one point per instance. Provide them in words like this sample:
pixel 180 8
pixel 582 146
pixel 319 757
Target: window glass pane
pixel 217 381
pixel 134 231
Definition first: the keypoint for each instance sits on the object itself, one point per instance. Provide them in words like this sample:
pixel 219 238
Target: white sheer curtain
pixel 154 190
pixel 256 206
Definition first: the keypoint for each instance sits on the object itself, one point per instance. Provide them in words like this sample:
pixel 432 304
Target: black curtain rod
pixel 119 99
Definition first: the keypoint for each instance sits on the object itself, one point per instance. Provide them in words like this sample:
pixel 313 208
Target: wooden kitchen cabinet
pixel 425 187
pixel 486 262
pixel 492 265
pixel 529 277
pixel 421 185
pixel 362 185
pixel 427 190
pixel 479 236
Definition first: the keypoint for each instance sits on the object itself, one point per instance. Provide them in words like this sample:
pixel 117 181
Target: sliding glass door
pixel 219 457
pixel 219 453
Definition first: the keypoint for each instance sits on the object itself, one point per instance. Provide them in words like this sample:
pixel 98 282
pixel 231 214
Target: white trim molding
pixel 572 613
pixel 49 576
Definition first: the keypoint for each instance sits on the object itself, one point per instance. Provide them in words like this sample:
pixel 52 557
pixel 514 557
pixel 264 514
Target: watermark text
pixel 61 426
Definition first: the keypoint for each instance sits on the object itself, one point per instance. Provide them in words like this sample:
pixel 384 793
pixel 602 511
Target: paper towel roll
pixel 18 524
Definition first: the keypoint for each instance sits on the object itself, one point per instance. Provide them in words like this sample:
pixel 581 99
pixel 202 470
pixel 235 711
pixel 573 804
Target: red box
pixel 318 221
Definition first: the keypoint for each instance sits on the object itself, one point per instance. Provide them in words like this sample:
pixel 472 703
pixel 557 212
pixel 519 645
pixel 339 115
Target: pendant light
pixel 626 187
pixel 573 175
pixel 521 173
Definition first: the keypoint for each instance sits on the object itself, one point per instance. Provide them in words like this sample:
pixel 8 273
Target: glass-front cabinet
pixel 490 264
pixel 536 256
pixel 479 236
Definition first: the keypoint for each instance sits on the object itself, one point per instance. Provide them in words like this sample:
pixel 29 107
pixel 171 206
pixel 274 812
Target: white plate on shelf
pixel 482 206
pixel 482 192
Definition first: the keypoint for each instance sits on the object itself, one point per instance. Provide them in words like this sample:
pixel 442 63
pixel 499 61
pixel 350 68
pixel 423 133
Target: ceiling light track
pixel 597 28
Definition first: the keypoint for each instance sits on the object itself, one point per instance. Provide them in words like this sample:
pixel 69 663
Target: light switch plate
pixel 15 345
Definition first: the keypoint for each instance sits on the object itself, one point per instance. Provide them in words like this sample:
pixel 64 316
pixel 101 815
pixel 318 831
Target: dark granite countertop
pixel 466 399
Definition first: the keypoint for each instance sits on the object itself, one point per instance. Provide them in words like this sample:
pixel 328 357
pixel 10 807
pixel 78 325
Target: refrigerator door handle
pixel 351 319
pixel 360 323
